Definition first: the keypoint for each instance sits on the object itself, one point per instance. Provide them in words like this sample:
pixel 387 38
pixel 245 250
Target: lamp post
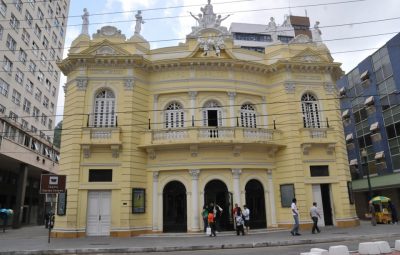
pixel 364 155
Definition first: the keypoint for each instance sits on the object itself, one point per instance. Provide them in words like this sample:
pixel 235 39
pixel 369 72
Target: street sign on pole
pixel 52 184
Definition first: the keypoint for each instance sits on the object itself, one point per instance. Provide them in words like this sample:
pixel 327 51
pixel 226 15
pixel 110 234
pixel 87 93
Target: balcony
pixel 317 136
pixel 101 137
pixel 204 135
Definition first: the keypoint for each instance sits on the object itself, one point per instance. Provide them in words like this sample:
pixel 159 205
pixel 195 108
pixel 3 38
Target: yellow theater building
pixel 150 136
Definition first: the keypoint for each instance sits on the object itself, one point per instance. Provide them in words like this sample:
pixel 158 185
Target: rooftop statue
pixel 208 18
pixel 85 22
pixel 139 22
pixel 316 33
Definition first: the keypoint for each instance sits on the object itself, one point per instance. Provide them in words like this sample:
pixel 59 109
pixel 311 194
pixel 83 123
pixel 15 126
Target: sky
pixel 352 29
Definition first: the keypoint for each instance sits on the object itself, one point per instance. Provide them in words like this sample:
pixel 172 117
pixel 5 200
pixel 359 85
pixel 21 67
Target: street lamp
pixel 364 155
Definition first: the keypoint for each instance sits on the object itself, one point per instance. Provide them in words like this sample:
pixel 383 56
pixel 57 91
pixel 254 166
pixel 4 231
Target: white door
pixel 99 213
pixel 316 189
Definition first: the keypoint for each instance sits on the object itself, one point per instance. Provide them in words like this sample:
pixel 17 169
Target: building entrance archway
pixel 216 192
pixel 255 201
pixel 174 207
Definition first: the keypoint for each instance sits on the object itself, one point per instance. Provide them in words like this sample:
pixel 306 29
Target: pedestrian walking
pixel 295 213
pixel 234 211
pixel 393 211
pixel 204 214
pixel 217 214
pixel 211 223
pixel 246 216
pixel 239 222
pixel 314 214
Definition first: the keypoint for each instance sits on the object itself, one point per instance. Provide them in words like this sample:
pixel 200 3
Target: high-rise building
pixel 257 37
pixel 152 136
pixel 370 104
pixel 32 36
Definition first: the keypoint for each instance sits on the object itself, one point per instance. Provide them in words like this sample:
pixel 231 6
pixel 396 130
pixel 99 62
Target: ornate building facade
pixel 150 136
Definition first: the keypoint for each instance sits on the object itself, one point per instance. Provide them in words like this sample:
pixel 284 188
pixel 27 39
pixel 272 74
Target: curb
pixel 105 251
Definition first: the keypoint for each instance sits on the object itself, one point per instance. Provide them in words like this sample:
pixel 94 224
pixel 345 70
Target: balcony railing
pixel 101 136
pixel 209 134
pixel 317 135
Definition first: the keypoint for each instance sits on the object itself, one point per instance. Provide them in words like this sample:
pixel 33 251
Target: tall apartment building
pixel 32 35
pixel 370 106
pixel 258 36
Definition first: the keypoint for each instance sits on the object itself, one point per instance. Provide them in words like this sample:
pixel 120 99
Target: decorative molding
pixel 194 150
pixel 236 172
pixel 194 173
pixel 151 153
pixel 269 173
pixel 236 150
pixel 86 150
pixel 81 84
pixel 330 148
pixel 156 174
pixel 290 88
pixel 272 152
pixel 155 97
pixel 232 95
pixel 192 94
pixel 300 39
pixel 109 31
pixel 263 98
pixel 105 50
pixel 129 84
pixel 329 88
pixel 306 148
pixel 115 151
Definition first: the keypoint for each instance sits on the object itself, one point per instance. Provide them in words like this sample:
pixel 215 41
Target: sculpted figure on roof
pixel 208 18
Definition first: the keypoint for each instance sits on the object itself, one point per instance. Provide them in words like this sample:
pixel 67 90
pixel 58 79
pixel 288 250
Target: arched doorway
pixel 174 207
pixel 216 192
pixel 255 201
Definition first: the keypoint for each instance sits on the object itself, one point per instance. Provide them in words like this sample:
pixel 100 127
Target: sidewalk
pixel 33 240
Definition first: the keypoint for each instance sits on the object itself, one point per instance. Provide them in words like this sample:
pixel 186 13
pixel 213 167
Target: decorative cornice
pixel 192 94
pixel 236 172
pixel 194 173
pixel 231 95
pixel 129 84
pixel 81 84
pixel 290 88
pixel 329 88
pixel 155 176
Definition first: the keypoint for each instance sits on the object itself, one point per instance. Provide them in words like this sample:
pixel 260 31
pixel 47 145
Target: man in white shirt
pixel 246 215
pixel 314 214
pixel 295 213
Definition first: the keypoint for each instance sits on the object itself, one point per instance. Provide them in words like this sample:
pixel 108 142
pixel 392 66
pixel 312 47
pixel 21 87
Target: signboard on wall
pixel 52 184
pixel 138 200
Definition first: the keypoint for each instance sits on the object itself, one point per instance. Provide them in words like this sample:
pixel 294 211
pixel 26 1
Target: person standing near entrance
pixel 217 210
pixel 393 211
pixel 295 213
pixel 204 214
pixel 314 214
pixel 211 222
pixel 234 212
pixel 246 216
pixel 239 222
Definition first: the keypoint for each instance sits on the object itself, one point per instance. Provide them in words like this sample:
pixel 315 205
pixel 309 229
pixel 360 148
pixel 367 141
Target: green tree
pixel 57 135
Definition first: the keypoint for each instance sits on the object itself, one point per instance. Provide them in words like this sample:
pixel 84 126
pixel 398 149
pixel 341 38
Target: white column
pixel 155 112
pixel 264 112
pixel 195 198
pixel 271 195
pixel 192 95
pixel 236 185
pixel 155 201
pixel 232 96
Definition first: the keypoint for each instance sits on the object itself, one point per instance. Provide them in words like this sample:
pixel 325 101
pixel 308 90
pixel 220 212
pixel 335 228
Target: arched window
pixel 104 109
pixel 212 114
pixel 309 107
pixel 174 115
pixel 248 116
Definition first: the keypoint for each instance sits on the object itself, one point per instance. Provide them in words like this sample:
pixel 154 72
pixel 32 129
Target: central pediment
pixel 105 48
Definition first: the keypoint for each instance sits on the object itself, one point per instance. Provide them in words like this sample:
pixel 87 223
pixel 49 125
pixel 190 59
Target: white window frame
pixel 4 87
pixel 311 111
pixel 212 105
pixel 174 115
pixel 248 116
pixel 104 109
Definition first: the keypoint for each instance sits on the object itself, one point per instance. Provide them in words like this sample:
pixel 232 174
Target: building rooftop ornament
pixel 139 22
pixel 208 19
pixel 316 33
pixel 109 31
pixel 85 22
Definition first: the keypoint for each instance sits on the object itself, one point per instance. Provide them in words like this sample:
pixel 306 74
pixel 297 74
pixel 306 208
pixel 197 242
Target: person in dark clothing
pixel 204 214
pixel 239 222
pixel 393 210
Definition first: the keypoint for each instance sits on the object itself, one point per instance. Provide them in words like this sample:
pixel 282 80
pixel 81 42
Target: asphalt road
pixel 281 250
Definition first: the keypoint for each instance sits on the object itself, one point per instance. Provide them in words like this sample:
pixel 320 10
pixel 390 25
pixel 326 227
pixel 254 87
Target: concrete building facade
pixel 32 35
pixel 150 136
pixel 370 105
